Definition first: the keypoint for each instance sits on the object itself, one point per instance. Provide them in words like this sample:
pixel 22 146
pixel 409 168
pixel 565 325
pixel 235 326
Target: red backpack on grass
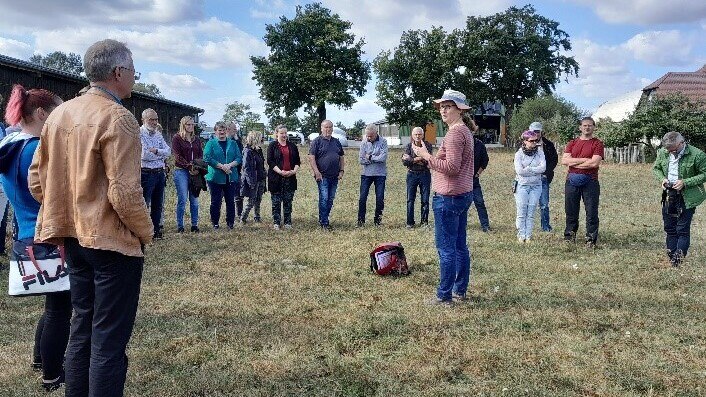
pixel 389 258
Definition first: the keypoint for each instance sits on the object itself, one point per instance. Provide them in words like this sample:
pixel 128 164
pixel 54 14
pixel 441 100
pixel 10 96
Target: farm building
pixel 67 86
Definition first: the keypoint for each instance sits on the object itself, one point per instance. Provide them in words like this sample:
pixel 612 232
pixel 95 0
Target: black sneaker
pixel 158 236
pixel 180 230
pixel 360 223
pixel 52 385
pixel 195 229
pixel 36 366
pixel 326 228
pixel 377 221
pixel 216 227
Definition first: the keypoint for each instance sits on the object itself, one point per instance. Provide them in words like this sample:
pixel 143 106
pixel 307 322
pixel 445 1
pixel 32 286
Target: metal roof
pixel 33 67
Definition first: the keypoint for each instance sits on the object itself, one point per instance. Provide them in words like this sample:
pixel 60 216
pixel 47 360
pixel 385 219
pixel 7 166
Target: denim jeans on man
pixel 153 182
pixel 181 183
pixel 590 194
pixel 218 192
pixel 327 192
pixel 450 220
pixel 105 289
pixel 479 202
pixel 526 199
pixel 544 205
pixel 678 229
pixel 421 180
pixel 365 183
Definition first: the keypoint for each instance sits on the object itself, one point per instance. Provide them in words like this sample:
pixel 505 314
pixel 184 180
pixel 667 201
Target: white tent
pixel 618 108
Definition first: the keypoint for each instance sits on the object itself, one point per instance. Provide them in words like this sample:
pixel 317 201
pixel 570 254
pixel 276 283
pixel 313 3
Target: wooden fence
pixel 626 155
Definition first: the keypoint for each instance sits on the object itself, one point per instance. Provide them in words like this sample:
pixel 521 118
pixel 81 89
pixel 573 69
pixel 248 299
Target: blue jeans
pixel 526 199
pixel 678 230
pixel 181 182
pixel 327 192
pixel 153 191
pixel 365 182
pixel 450 220
pixel 480 205
pixel 218 193
pixel 421 180
pixel 105 290
pixel 544 205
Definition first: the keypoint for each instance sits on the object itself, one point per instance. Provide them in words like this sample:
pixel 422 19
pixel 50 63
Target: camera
pixel 669 185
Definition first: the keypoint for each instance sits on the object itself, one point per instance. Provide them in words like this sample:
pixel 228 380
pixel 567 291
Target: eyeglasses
pixel 137 74
pixel 532 140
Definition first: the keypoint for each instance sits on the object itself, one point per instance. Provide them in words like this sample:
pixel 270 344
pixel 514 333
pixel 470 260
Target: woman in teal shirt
pixel 223 157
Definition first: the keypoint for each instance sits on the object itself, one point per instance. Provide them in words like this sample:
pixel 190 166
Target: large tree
pixel 516 54
pixel 313 60
pixel 509 56
pixel 558 116
pixel 70 63
pixel 413 74
pixel 241 114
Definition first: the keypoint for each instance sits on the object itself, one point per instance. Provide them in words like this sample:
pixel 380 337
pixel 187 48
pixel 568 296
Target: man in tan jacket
pixel 86 175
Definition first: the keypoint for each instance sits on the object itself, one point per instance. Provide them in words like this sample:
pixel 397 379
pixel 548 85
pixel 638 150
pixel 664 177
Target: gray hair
pixel 327 121
pixel 371 128
pixel 147 112
pixel 672 138
pixel 219 124
pixel 103 57
pixel 279 127
pixel 418 128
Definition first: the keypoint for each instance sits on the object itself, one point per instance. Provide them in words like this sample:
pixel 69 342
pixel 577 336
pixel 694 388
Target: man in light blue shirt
pixel 373 158
pixel 154 152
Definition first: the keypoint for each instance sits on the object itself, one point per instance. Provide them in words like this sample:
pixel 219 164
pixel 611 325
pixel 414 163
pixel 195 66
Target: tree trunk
pixel 321 111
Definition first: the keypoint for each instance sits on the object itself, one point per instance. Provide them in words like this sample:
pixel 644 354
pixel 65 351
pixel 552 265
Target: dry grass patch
pixel 254 312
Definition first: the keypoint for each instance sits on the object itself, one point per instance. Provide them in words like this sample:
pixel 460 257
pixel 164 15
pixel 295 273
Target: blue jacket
pixel 213 154
pixel 16 152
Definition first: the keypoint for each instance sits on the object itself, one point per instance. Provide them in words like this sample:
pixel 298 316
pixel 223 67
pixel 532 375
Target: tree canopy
pixel 654 118
pixel 313 60
pixel 69 63
pixel 241 114
pixel 150 89
pixel 509 56
pixel 558 116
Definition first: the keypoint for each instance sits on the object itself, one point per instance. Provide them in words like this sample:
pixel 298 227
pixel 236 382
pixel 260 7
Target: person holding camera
pixel 681 168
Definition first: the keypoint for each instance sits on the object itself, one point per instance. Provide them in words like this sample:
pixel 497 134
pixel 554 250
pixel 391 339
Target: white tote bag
pixel 37 269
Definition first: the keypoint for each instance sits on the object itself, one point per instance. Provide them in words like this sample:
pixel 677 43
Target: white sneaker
pixel 276 227
pixel 288 227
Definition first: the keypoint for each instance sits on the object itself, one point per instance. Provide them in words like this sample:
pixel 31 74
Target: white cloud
pixel 15 49
pixel 268 9
pixel 645 12
pixel 171 83
pixel 70 13
pixel 208 44
pixel 382 22
pixel 664 48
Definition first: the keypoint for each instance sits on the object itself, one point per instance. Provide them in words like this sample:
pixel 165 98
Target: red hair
pixel 23 103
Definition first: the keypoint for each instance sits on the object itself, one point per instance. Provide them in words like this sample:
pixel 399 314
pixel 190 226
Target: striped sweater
pixel 453 164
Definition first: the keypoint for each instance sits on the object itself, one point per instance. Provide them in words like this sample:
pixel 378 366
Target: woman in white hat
pixel 452 182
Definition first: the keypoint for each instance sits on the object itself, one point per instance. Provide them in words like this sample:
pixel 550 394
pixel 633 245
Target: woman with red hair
pixel 30 109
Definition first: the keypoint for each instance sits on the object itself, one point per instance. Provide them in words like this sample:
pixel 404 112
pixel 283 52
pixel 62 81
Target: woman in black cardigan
pixel 283 163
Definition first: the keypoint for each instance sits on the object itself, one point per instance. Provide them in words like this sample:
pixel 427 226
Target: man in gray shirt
pixel 373 158
pixel 326 161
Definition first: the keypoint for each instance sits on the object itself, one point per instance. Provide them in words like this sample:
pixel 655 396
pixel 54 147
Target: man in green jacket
pixel 681 168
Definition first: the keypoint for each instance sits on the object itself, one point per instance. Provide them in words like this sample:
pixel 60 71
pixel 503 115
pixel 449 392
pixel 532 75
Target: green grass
pixel 255 312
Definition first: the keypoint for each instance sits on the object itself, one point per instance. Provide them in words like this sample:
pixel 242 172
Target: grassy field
pixel 254 312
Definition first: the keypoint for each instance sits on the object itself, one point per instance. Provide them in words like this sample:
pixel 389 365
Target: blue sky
pixel 197 51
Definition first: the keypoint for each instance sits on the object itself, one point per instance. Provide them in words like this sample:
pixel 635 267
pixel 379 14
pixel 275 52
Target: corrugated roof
pixel 24 65
pixel 691 84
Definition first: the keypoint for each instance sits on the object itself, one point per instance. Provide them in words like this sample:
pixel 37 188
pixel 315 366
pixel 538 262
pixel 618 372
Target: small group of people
pixel 236 172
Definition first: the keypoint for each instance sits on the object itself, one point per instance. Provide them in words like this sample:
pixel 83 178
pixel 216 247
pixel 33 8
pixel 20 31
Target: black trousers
pixel 52 334
pixel 590 194
pixel 105 289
